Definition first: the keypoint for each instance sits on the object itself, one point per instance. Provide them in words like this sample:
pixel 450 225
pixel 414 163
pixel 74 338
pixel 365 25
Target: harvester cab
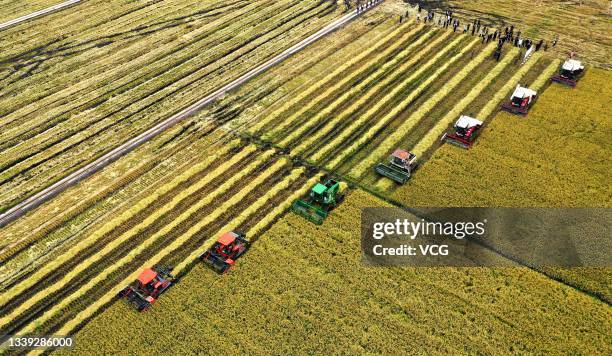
pixel 145 290
pixel 520 101
pixel 466 130
pixel 321 199
pixel 225 251
pixel 401 164
pixel 570 72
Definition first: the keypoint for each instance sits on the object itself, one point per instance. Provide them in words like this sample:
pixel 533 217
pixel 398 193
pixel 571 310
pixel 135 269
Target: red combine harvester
pixel 520 101
pixel 226 250
pixel 151 283
pixel 466 130
pixel 570 72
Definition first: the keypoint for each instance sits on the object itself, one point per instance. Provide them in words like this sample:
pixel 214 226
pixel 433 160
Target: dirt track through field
pixel 39 13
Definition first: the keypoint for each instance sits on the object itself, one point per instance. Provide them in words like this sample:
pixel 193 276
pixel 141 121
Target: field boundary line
pixel 39 13
pixel 75 177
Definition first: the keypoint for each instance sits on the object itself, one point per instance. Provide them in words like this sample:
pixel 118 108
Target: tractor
pixel 569 74
pixel 145 290
pixel 321 199
pixel 401 164
pixel 225 251
pixel 520 101
pixel 466 130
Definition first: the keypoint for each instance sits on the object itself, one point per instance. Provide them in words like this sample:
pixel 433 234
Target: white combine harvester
pixel 466 130
pixel 520 101
pixel 570 72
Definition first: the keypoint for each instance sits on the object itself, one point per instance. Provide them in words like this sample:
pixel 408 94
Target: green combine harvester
pixel 321 199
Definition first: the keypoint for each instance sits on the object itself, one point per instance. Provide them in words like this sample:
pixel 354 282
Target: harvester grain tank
pixel 145 290
pixel 570 73
pixel 520 101
pixel 321 199
pixel 465 132
pixel 401 165
pixel 225 251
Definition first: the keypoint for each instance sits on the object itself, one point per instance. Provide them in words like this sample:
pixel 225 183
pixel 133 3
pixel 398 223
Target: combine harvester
pixel 401 164
pixel 226 250
pixel 520 101
pixel 151 283
pixel 466 131
pixel 570 73
pixel 321 199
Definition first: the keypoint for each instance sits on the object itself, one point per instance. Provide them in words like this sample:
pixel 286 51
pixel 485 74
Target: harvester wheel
pixel 340 199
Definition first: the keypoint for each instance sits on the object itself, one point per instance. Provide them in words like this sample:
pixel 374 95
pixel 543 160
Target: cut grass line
pixel 493 104
pixel 176 244
pixel 363 99
pixel 89 262
pixel 244 215
pixel 215 214
pixel 318 86
pixel 107 228
pixel 281 208
pixel 384 102
pixel 544 78
pixel 436 131
pixel 415 117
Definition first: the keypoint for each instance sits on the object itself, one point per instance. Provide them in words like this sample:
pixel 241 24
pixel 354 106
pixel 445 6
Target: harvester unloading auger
pixel 321 199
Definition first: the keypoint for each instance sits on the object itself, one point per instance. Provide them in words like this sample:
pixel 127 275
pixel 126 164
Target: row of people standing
pixel 502 35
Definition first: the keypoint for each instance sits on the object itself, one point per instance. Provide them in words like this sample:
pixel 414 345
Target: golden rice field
pixel 557 156
pixel 311 293
pixel 104 71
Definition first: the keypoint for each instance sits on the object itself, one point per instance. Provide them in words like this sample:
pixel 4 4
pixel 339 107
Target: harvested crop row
pixel 434 133
pixel 340 82
pixel 198 167
pixel 45 230
pixel 85 314
pixel 146 64
pixel 260 203
pixel 131 234
pixel 175 244
pixel 493 104
pixel 544 78
pixel 145 94
pixel 392 139
pixel 391 95
pixel 93 238
pixel 50 169
pixel 363 99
